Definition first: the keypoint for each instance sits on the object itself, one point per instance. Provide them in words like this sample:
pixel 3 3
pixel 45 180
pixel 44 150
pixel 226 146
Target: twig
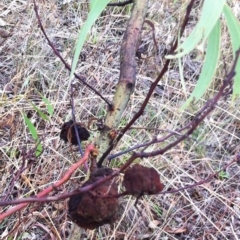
pixel 75 126
pixel 19 171
pixel 146 144
pixel 41 198
pixel 65 63
pixel 74 122
pixel 120 4
pixel 51 188
pixel 95 184
pixel 153 32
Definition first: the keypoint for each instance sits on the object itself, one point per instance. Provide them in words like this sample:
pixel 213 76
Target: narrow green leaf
pixel 92 3
pixel 97 6
pixel 31 127
pixel 211 12
pixel 39 149
pixel 234 30
pixel 34 134
pixel 49 106
pixel 41 114
pixel 25 83
pixel 209 65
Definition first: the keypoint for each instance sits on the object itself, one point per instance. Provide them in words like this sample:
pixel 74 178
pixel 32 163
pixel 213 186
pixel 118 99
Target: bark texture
pixel 126 83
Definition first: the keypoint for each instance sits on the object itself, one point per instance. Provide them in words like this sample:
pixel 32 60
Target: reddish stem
pixel 46 191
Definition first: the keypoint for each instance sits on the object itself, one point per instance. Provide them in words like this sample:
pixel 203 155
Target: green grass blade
pixel 31 127
pixel 50 108
pixel 41 114
pixel 211 12
pixel 234 31
pixel 25 83
pixel 209 65
pixel 39 149
pixel 34 134
pixel 96 8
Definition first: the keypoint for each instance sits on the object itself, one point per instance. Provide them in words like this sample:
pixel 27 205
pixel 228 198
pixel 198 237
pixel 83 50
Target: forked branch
pixel 126 83
pixel 151 90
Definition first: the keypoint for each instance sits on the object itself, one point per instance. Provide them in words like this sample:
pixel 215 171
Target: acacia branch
pixel 199 117
pixel 127 78
pixel 191 126
pixel 151 90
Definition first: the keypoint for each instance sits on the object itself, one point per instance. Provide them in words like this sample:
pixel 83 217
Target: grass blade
pixel 31 127
pixel 34 134
pixel 50 108
pixel 41 114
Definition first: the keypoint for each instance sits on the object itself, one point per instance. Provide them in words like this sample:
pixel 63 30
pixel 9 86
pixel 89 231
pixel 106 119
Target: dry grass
pixel 28 66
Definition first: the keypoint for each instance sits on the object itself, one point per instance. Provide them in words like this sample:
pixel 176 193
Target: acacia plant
pixel 111 170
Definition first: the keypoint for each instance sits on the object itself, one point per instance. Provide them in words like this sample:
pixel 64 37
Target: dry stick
pixel 206 109
pixel 127 78
pixel 14 179
pixel 75 126
pixel 65 63
pixel 151 90
pixel 90 148
pixel 120 4
pixel 153 32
